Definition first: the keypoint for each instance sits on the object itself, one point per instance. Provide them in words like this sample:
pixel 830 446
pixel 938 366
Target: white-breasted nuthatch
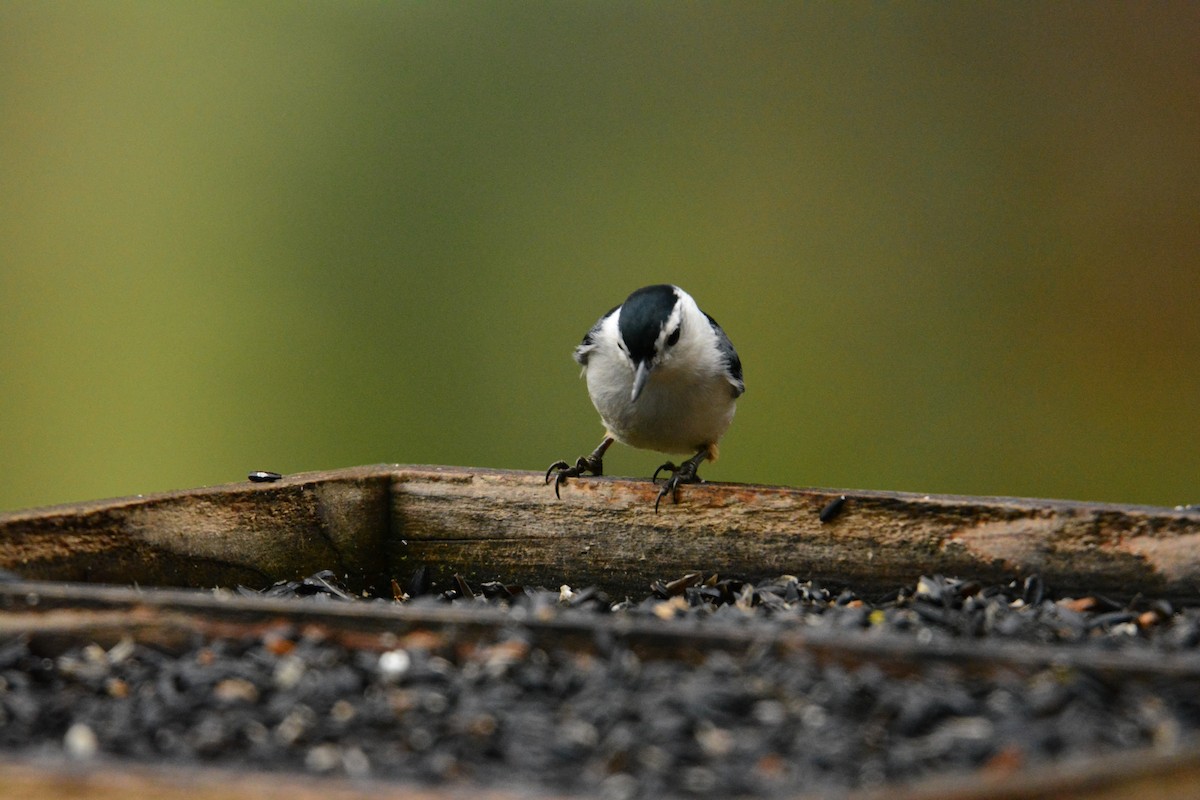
pixel 663 376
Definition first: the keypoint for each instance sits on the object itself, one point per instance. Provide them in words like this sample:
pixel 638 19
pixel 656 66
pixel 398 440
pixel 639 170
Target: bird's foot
pixel 561 470
pixel 593 463
pixel 684 473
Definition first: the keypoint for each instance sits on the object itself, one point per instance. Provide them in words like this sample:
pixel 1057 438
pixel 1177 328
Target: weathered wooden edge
pixel 1125 776
pixel 488 524
pixel 238 533
pixel 1161 774
pixel 385 521
pixel 40 778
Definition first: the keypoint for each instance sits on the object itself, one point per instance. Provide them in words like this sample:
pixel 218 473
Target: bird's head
pixel 651 324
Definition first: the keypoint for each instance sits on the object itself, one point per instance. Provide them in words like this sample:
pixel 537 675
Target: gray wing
pixel 589 340
pixel 733 364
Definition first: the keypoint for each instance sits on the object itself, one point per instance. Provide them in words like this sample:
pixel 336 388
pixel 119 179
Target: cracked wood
pixel 380 522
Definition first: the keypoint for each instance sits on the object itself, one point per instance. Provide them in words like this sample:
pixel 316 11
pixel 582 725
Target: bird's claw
pixel 669 466
pixel 684 473
pixel 563 470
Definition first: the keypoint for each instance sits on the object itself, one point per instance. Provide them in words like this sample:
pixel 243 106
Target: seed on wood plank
pixel 832 508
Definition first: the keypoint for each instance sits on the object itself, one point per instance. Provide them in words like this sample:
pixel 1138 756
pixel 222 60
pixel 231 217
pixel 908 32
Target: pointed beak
pixel 639 380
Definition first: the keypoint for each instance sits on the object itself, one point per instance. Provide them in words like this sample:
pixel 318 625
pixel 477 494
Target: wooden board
pixel 379 522
pixel 241 533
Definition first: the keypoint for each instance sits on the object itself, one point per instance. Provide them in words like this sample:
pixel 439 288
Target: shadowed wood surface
pixel 45 779
pixel 1128 777
pixel 378 522
pixel 241 533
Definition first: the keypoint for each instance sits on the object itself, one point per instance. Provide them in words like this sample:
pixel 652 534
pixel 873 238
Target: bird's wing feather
pixel 733 363
pixel 589 340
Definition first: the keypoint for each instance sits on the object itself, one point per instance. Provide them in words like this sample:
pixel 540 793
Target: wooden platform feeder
pixel 379 523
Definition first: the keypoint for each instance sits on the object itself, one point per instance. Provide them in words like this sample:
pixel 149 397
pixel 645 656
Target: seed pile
pixel 935 608
pixel 510 713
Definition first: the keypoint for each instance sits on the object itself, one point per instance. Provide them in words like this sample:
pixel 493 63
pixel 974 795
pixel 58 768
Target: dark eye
pixel 673 338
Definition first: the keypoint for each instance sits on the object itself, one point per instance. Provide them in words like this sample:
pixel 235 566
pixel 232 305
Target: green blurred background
pixel 957 245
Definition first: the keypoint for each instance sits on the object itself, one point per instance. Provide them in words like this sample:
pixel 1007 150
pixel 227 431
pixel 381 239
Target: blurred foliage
pixel 956 245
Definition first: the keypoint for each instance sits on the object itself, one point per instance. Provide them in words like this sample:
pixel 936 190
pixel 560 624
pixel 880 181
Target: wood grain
pixel 241 533
pixel 509 526
pixel 380 522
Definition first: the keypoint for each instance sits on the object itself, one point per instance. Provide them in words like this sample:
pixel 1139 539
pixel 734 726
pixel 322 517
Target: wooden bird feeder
pixel 107 570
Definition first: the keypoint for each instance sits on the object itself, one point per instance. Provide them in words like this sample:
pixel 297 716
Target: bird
pixel 664 376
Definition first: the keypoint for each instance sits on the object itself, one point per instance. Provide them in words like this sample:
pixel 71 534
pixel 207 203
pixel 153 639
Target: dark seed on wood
pixel 325 582
pixel 495 590
pixel 464 588
pixel 677 586
pixel 419 583
pixel 1111 618
pixel 832 508
pixel 1162 607
pixel 263 476
pixel 1033 590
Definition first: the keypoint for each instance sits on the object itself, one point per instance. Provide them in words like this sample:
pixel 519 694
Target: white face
pixel 663 339
pixel 669 336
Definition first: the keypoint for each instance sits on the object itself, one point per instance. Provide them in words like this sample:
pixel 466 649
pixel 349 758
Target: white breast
pixel 688 402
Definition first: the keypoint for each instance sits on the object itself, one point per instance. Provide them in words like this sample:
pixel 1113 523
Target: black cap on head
pixel 642 318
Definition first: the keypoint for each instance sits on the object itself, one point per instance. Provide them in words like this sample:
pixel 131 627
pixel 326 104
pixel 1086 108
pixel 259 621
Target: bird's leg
pixel 684 473
pixel 593 463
